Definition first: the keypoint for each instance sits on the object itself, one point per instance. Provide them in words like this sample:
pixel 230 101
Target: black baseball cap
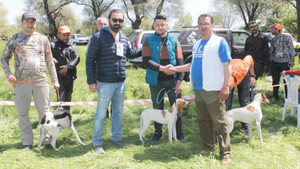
pixel 28 15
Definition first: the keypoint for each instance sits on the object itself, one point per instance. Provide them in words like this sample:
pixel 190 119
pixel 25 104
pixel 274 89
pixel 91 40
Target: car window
pixel 221 33
pixel 71 36
pixel 81 36
pixel 239 38
pixel 144 36
pixel 175 33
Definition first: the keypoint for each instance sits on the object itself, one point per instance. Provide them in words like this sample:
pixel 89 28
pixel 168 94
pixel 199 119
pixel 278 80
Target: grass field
pixel 281 148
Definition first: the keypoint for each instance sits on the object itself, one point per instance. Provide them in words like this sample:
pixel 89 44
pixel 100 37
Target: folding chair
pixel 291 97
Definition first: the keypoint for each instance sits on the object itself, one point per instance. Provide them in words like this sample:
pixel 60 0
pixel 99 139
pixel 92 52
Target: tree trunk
pixel 298 19
pixel 52 24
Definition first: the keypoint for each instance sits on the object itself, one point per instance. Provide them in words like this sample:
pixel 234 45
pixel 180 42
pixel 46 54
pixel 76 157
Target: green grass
pixel 281 148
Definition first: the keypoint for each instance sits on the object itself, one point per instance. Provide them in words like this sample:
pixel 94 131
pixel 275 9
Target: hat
pixel 64 29
pixel 28 15
pixel 278 26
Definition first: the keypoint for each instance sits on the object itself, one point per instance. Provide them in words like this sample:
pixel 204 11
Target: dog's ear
pixel 180 105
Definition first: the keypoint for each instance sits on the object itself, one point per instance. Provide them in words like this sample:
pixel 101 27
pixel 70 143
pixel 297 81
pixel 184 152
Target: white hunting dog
pixel 248 114
pixel 163 117
pixel 52 122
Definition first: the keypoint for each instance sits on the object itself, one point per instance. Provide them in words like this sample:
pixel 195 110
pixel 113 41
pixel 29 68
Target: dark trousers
pixel 157 94
pixel 243 94
pixel 259 69
pixel 65 91
pixel 211 115
pixel 276 69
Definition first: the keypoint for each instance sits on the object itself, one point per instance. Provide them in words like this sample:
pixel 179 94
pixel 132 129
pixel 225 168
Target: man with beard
pixel 66 58
pixel 109 50
pixel 159 50
pixel 282 55
pixel 257 46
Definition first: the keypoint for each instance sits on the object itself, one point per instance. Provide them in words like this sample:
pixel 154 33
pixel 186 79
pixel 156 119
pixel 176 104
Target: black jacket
pixel 65 54
pixel 258 48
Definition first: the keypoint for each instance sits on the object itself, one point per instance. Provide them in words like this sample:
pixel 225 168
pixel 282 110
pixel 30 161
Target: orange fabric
pixel 239 69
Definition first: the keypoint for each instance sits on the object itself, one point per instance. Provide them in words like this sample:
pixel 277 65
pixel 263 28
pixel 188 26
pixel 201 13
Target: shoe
pixel 203 149
pixel 156 137
pixel 99 149
pixel 119 143
pixel 226 160
pixel 24 147
pixel 181 139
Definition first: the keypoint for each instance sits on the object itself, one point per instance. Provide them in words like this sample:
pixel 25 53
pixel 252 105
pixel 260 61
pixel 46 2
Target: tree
pixel 184 21
pixel 249 9
pixel 224 15
pixel 51 14
pixel 136 10
pixel 3 20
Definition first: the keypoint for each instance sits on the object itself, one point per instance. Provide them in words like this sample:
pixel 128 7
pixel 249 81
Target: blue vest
pixel 155 43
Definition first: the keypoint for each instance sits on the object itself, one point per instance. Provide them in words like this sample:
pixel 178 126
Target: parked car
pixel 137 39
pixel 189 36
pixel 79 39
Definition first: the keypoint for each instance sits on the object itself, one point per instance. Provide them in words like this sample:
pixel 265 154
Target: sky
pixel 194 7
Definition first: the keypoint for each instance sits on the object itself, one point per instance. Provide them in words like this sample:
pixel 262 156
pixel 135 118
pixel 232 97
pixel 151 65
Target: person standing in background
pixel 282 54
pixel 66 58
pixel 102 22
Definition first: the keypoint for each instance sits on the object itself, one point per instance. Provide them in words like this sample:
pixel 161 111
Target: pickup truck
pixel 189 36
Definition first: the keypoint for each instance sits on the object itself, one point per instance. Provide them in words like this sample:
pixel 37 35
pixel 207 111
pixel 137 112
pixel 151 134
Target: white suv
pixel 79 39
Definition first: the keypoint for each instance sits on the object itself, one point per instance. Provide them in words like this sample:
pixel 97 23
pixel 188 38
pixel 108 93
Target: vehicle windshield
pixel 81 36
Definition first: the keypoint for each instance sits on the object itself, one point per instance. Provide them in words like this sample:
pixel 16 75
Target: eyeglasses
pixel 115 20
pixel 204 24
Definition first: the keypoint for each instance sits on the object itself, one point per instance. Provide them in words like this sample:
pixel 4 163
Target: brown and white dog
pixel 248 114
pixel 168 117
pixel 52 123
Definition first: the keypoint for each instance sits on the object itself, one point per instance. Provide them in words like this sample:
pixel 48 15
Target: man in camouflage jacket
pixel 31 52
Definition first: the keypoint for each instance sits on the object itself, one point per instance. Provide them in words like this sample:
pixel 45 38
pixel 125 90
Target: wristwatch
pixel 253 76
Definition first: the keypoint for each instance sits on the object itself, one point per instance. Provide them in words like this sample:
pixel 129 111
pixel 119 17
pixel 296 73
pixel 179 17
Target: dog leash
pixel 40 84
pixel 157 97
pixel 251 93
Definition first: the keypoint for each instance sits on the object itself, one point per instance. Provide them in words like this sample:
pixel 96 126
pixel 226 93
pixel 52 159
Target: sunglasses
pixel 115 20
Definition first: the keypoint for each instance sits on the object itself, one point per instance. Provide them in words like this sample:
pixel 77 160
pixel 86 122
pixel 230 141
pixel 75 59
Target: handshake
pixel 168 69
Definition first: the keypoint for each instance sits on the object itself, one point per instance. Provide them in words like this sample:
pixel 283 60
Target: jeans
pixel 114 93
pixel 157 94
pixel 243 93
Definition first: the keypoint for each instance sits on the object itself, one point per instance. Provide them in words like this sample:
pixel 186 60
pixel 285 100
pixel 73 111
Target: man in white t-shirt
pixel 210 75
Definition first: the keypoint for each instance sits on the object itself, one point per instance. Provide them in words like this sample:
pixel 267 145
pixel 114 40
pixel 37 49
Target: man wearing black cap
pixel 32 53
pixel 282 54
